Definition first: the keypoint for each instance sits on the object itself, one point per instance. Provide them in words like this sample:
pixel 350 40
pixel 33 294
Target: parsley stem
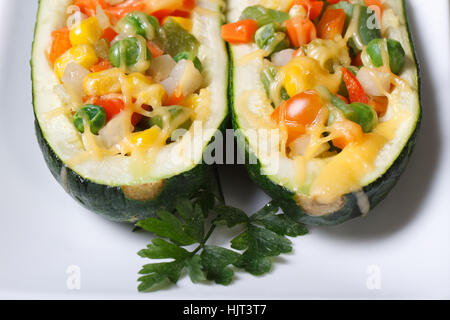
pixel 202 244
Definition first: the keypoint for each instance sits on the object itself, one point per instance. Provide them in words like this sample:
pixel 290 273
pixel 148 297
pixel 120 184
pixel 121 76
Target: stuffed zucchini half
pixel 127 96
pixel 325 95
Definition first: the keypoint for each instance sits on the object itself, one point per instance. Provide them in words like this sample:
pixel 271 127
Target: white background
pixel 43 231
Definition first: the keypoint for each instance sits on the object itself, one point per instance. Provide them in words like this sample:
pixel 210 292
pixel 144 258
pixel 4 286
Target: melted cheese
pixel 305 73
pixel 329 53
pixel 258 54
pixel 343 173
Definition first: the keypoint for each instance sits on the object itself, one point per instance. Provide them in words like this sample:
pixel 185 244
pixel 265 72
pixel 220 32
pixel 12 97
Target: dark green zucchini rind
pixel 376 191
pixel 112 203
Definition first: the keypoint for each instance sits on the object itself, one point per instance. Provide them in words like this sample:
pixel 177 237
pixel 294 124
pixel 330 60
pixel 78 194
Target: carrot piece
pixel 379 104
pixel 103 64
pixel 336 1
pixel 89 7
pixel 126 7
pixel 112 106
pixel 298 53
pixel 300 30
pixel 313 7
pixel 60 44
pixel 348 132
pixel 331 24
pixel 239 32
pixel 154 49
pixel 355 90
pixel 109 34
pixel 174 99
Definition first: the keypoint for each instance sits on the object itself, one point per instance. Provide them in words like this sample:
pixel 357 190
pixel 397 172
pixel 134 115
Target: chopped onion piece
pixel 184 77
pixel 375 82
pixel 75 19
pixel 299 146
pixel 103 19
pixel 282 58
pixel 115 130
pixel 101 49
pixel 162 67
pixel 73 77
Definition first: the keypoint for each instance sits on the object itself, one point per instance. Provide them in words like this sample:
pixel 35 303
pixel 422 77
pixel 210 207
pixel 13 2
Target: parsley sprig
pixel 264 236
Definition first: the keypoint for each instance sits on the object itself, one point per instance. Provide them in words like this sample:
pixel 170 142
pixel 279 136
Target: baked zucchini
pixel 127 96
pixel 342 100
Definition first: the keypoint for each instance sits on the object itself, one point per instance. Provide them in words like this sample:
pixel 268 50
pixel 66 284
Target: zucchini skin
pixel 376 191
pixel 111 202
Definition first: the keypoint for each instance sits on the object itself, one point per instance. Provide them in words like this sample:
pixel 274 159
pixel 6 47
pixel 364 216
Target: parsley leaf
pixel 161 249
pixel 168 226
pixel 263 237
pixel 230 216
pixel 157 273
pixel 281 224
pixel 216 262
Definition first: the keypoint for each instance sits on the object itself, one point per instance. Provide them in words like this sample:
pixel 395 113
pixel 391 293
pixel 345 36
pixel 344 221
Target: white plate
pixel 401 250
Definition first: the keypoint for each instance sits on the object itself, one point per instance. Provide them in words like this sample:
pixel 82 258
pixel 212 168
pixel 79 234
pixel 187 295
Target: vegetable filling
pixel 130 73
pixel 329 72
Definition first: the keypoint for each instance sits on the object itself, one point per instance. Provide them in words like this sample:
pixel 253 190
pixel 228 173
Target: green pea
pixel 127 54
pixel 139 23
pixel 395 51
pixel 369 27
pixel 94 115
pixel 361 113
pixel 271 39
pixel 264 15
pixel 174 39
pixel 187 56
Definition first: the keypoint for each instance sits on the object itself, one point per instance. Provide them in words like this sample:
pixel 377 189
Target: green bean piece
pixel 94 115
pixel 369 27
pixel 174 111
pixel 174 39
pixel 271 39
pixel 267 77
pixel 264 15
pixel 397 56
pixel 128 53
pixel 395 51
pixel 358 112
pixel 186 56
pixel 139 23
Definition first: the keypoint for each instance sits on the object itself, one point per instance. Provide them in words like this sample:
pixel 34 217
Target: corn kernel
pixel 147 138
pixel 103 82
pixel 86 32
pixel 83 54
pixel 191 101
pixel 305 73
pixel 153 95
pixel 134 83
pixel 184 22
